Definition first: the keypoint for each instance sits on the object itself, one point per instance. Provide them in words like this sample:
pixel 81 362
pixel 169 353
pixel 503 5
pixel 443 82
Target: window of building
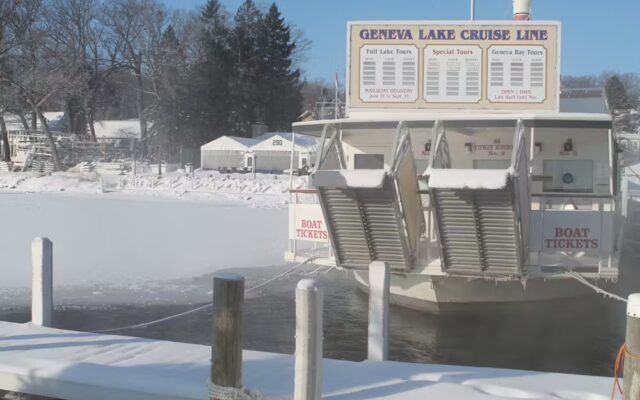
pixel 568 176
pixel 368 161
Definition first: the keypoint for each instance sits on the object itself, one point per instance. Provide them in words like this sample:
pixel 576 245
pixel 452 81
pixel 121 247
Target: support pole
pixel 226 352
pixel 632 343
pixel 42 282
pixel 379 283
pixel 308 364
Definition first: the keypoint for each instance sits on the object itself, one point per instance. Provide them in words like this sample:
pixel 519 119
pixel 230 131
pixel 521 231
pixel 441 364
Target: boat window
pixel 491 164
pixel 568 176
pixel 368 161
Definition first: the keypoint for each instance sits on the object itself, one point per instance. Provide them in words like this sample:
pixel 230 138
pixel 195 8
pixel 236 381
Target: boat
pixel 463 164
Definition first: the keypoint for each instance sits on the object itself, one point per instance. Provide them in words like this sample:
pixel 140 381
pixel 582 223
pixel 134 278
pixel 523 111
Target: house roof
pixel 229 143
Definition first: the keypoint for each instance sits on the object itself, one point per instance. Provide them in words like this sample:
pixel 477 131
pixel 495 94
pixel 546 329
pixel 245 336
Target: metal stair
pixel 478 231
pixel 373 215
pixel 482 215
pixel 365 225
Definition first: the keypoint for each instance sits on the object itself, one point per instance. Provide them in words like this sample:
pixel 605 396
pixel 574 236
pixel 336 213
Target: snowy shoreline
pixel 266 190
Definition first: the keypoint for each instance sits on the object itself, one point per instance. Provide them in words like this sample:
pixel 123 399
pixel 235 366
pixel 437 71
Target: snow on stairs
pixel 366 217
pixel 365 226
pixel 478 230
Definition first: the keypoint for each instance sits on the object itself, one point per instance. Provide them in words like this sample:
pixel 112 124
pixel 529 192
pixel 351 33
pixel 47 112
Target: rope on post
pixel 230 393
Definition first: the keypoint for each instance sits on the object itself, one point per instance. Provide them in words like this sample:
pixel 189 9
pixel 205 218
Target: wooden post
pixel 42 282
pixel 226 352
pixel 632 342
pixel 379 282
pixel 308 363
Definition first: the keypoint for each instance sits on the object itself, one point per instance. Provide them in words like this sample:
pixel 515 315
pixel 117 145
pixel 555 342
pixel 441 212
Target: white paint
pixel 350 178
pixel 521 7
pixel 633 305
pixel 308 356
pixel 42 282
pixel 490 179
pixel 379 286
pixel 76 365
pixel 306 222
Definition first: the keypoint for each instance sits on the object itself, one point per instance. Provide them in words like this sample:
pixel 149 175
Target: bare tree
pixel 136 27
pixel 34 67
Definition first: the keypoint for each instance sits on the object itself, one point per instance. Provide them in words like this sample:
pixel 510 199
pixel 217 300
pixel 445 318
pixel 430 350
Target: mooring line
pixel 204 307
pixel 585 282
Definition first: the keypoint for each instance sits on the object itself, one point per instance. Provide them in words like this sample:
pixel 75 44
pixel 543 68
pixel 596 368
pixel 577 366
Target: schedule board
pixel 473 65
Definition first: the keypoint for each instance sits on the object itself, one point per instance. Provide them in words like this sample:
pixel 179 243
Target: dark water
pixel 575 336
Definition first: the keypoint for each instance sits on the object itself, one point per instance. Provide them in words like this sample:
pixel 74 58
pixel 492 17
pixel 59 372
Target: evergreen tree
pixel 212 76
pixel 245 82
pixel 279 84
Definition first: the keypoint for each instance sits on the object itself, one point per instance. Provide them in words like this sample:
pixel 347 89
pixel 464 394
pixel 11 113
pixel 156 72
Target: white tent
pixel 225 152
pixel 273 151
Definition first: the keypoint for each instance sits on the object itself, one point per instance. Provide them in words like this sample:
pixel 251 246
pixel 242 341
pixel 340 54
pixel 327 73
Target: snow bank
pixel 67 364
pixel 490 179
pixel 350 178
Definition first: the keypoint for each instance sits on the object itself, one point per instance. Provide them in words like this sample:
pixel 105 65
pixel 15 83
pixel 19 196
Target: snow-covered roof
pixel 281 141
pixel 55 119
pixel 117 129
pixel 230 143
pixel 390 119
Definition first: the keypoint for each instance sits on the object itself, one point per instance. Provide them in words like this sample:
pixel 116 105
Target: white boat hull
pixel 430 293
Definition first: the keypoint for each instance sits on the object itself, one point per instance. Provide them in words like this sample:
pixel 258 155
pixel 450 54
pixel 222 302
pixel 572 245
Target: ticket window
pixel 568 176
pixel 368 161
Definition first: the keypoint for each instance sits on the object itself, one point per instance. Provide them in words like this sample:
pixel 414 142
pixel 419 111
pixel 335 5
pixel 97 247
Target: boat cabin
pixel 461 157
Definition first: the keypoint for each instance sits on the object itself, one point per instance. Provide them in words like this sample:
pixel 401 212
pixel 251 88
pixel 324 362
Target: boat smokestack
pixel 521 10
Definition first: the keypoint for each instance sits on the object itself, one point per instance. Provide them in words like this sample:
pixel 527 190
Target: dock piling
pixel 379 284
pixel 226 351
pixel 308 356
pixel 632 344
pixel 42 282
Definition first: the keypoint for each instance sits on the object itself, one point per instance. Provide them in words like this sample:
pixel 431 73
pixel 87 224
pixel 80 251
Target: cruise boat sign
pixel 439 65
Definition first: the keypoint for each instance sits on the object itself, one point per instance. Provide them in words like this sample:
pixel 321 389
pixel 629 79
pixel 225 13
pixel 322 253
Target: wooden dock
pixel 77 365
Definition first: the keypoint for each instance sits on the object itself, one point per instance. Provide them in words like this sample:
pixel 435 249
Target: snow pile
pixel 56 182
pixel 68 364
pixel 489 179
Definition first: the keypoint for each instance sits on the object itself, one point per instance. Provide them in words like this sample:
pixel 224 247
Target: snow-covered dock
pixel 77 365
